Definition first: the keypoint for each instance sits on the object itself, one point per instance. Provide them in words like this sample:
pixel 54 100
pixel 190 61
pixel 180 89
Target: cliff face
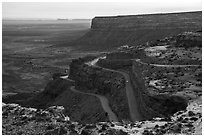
pixel 150 105
pixel 150 21
pixel 110 32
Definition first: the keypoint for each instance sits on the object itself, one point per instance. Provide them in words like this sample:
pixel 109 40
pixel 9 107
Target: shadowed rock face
pixel 149 21
pixel 91 77
pixel 169 104
pixel 110 32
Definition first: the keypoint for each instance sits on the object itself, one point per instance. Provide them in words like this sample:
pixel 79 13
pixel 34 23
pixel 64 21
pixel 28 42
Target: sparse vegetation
pixel 161 80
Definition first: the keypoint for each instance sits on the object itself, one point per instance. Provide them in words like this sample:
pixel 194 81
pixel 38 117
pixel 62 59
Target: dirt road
pixel 173 66
pixel 133 107
pixel 104 103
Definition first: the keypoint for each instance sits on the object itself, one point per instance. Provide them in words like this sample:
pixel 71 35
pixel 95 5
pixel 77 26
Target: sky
pixel 88 10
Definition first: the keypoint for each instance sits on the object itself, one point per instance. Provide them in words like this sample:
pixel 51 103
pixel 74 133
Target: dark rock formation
pixel 170 104
pixel 121 59
pixel 95 78
pixel 189 39
pixel 56 87
pixel 114 64
pixel 77 64
pixel 52 90
pixel 102 82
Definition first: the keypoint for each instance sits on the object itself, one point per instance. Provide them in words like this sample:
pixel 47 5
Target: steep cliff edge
pixel 151 104
pixel 81 108
pixel 110 32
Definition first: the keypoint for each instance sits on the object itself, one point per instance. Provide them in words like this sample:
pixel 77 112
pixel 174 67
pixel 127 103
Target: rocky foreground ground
pixel 19 120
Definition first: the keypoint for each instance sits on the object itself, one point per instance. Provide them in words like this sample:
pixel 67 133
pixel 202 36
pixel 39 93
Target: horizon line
pixel 70 19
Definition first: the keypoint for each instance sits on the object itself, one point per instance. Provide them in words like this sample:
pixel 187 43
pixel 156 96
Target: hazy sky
pixel 55 10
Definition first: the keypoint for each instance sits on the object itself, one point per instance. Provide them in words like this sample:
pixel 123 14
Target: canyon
pixel 148 81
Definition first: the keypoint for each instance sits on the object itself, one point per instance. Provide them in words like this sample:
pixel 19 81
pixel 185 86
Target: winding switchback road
pixel 133 107
pixel 103 100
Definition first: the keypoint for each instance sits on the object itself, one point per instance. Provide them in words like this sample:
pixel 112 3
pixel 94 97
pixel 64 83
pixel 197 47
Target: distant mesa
pixel 115 31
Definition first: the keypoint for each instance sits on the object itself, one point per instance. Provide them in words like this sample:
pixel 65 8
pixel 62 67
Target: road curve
pixel 132 103
pixel 104 103
pixel 173 66
pixel 133 107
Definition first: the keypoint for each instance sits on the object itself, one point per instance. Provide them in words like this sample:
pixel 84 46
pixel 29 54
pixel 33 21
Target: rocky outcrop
pixel 102 82
pixel 109 32
pixel 121 59
pixel 94 78
pixel 18 120
pixel 77 64
pixel 97 78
